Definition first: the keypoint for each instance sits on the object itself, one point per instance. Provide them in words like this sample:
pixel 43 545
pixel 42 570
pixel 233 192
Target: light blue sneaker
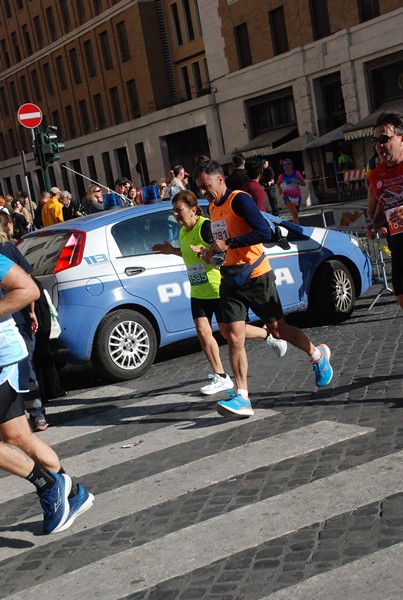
pixel 322 369
pixel 55 504
pixel 235 407
pixel 79 504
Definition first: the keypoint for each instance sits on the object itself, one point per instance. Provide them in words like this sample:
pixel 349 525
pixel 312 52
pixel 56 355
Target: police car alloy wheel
pixel 125 345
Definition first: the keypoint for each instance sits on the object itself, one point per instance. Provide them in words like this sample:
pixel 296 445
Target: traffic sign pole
pixel 25 168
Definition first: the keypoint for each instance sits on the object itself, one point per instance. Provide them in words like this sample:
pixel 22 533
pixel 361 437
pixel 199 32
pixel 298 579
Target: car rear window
pixel 43 251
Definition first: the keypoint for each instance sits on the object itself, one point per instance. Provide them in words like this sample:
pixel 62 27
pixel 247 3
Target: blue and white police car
pixel 118 301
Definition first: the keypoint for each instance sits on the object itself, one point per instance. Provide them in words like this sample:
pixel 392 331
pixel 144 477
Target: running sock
pixel 243 393
pixel 41 479
pixel 223 375
pixel 316 355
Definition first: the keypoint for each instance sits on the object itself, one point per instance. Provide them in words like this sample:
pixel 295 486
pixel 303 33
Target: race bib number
pixel 197 274
pixel 219 230
pixel 395 220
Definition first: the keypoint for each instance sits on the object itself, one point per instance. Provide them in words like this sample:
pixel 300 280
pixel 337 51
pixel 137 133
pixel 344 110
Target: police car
pixel 118 301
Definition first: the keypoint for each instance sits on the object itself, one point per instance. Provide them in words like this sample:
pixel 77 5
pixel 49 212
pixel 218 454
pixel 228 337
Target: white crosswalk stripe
pixel 199 544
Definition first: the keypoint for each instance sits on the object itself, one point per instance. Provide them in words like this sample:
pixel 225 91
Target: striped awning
pixel 364 128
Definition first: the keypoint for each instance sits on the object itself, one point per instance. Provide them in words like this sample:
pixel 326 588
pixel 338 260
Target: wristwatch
pixel 229 242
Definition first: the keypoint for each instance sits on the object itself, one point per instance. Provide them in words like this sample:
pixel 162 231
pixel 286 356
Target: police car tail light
pixel 72 253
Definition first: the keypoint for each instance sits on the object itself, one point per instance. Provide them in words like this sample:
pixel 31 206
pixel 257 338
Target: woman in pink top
pixel 288 185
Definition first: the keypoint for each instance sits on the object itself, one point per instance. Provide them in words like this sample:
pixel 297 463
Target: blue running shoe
pixel 55 504
pixel 322 369
pixel 79 504
pixel 236 407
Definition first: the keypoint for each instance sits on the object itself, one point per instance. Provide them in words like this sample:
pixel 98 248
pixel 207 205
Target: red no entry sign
pixel 29 115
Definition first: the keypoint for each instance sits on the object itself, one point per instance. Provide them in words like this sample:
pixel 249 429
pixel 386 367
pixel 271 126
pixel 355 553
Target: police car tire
pixel 112 324
pixel 333 292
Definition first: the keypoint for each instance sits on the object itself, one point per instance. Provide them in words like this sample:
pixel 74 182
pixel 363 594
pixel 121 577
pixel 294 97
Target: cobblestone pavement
pixel 304 500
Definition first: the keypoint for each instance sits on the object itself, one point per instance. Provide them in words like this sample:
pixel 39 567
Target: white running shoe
pixel 218 384
pixel 279 346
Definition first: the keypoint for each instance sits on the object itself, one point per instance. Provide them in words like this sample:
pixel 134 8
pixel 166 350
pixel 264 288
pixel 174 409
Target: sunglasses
pixel 286 164
pixel 96 191
pixel 382 139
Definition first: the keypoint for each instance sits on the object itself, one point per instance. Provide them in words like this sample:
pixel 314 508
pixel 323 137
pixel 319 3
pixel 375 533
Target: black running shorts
pixel 206 308
pixel 11 403
pixel 259 295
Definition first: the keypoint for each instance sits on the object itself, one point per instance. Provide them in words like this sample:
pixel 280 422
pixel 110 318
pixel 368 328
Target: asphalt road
pixel 302 501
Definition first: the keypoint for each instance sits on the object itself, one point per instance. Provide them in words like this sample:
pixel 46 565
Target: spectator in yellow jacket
pixel 52 211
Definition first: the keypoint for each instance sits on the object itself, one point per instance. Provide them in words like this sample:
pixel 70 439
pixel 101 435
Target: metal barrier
pixel 379 254
pixel 353 219
pixel 351 185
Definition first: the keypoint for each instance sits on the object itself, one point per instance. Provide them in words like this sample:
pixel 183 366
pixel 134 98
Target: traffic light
pixel 38 143
pixel 51 146
pixel 47 147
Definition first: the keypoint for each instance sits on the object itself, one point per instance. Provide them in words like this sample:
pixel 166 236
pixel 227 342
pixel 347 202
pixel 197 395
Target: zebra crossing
pixel 196 453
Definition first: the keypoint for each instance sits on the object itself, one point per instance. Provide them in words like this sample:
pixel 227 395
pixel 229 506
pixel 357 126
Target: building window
pixel 188 20
pixel 3 101
pixel 271 111
pixel 36 86
pixel 48 79
pixel 61 73
pixel 38 31
pixel 71 128
pixel 115 102
pixel 133 99
pixel 106 161
pixel 99 111
pixel 243 46
pixel 92 168
pixel 80 9
pixel 368 9
pixel 3 148
pixel 7 8
pixel 75 67
pixel 278 30
pixel 24 89
pixel 56 120
pixel 320 18
pixel 14 43
pixel 13 148
pixel 123 42
pixel 65 12
pixel 197 78
pixel 106 51
pixel 14 95
pixel 185 83
pixel 332 103
pixel 80 186
pixel 89 59
pixel 97 6
pixel 27 40
pixel 51 24
pixel 385 76
pixel 5 55
pixel 85 122
pixel 176 24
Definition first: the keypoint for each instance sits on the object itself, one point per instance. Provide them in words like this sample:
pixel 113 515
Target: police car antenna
pixel 92 180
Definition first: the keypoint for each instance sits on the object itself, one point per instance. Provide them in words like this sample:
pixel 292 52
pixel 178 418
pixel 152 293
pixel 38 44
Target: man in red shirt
pixel 254 170
pixel 385 193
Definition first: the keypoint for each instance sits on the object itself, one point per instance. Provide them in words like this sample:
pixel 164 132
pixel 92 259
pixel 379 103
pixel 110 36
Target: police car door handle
pixel 134 270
